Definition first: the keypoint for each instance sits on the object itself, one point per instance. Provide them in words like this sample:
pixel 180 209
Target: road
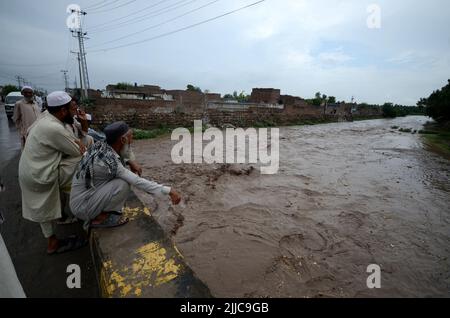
pixel 40 275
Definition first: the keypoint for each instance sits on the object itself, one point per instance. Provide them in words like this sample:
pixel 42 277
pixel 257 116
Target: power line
pixel 30 65
pixel 157 25
pixel 96 4
pixel 99 5
pixel 179 30
pixel 156 13
pixel 110 9
pixel 126 16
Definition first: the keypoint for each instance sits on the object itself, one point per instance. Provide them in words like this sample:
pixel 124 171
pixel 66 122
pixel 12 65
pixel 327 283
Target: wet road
pixel 9 139
pixel 347 195
pixel 39 274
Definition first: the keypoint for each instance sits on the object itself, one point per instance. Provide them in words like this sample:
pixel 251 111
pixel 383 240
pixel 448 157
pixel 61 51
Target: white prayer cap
pixel 58 98
pixel 26 87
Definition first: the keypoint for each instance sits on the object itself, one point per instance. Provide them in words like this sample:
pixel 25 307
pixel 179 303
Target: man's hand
pixel 135 167
pixel 81 115
pixel 175 197
pixel 82 147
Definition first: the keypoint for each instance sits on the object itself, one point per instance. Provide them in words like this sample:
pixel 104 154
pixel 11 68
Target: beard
pixel 125 151
pixel 68 120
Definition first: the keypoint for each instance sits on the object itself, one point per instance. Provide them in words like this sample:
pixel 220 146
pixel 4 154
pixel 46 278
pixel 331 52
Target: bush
pixel 389 111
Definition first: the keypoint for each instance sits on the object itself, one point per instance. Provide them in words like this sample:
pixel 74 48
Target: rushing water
pixel 347 195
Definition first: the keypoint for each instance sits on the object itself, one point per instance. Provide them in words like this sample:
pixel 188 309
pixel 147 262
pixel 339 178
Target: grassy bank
pixel 437 138
pixel 156 132
pixel 149 134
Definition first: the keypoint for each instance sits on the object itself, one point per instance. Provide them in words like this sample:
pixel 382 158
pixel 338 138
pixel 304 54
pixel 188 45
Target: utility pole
pixel 79 70
pixel 84 77
pixel 66 80
pixel 19 81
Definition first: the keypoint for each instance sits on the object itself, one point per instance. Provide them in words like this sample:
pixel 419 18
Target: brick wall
pixel 265 95
pixel 181 113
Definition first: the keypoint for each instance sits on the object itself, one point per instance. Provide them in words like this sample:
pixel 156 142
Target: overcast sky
pixel 299 46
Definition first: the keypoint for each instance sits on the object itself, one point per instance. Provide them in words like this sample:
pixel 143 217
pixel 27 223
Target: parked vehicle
pixel 10 102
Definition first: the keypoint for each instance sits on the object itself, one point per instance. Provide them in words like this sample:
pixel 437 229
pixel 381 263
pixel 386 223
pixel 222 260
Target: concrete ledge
pixel 139 260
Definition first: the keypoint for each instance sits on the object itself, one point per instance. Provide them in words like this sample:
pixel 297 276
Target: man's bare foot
pixel 53 245
pixel 100 218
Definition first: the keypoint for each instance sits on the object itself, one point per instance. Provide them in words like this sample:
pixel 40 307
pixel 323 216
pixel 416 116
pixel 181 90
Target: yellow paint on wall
pixel 150 267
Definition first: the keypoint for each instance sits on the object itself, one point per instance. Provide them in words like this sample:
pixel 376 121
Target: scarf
pixel 98 151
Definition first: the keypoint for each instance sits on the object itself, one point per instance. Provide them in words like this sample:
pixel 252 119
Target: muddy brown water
pixel 346 195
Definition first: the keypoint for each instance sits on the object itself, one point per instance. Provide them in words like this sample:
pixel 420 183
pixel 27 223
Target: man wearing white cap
pixel 46 168
pixel 26 111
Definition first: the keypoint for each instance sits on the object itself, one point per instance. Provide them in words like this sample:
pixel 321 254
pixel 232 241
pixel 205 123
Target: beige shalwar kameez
pixel 25 114
pixel 46 167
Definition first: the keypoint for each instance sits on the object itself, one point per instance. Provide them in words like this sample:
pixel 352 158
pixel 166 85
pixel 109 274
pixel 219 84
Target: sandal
pixel 68 244
pixel 112 220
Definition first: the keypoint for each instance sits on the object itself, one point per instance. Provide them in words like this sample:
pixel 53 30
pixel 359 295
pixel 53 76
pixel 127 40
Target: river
pixel 347 195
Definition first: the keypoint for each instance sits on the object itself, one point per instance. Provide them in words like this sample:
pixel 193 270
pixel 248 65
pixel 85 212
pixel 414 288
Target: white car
pixel 10 102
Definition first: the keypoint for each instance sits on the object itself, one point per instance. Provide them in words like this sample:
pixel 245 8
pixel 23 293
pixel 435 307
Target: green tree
pixel 242 97
pixel 332 100
pixel 438 104
pixel 8 89
pixel 317 101
pixel 123 85
pixel 388 110
pixel 192 88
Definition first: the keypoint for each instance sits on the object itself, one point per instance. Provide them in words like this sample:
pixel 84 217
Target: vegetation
pixel 241 97
pixel 389 111
pixel 192 88
pixel 8 89
pixel 437 137
pixel 149 134
pixel 437 105
pixel 123 85
pixel 321 99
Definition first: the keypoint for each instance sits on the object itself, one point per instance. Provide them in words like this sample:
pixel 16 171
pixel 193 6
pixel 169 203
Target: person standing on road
pixel 46 168
pixel 26 111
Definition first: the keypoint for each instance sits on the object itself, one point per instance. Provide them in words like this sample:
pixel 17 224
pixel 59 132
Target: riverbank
pixel 140 134
pixel 437 137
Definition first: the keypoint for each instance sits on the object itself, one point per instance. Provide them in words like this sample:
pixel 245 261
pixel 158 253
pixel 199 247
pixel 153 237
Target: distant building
pixel 265 95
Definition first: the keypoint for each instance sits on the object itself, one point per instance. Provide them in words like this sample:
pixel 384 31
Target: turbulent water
pixel 346 195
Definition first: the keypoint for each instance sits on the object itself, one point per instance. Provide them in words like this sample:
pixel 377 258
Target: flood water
pixel 347 195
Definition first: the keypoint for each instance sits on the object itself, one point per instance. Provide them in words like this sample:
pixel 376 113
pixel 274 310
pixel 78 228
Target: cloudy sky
pixel 299 46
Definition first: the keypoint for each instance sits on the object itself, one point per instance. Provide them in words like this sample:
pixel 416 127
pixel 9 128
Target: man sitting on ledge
pixel 101 184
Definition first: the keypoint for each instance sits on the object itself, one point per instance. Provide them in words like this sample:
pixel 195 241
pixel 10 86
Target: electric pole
pixel 79 70
pixel 66 81
pixel 84 77
pixel 19 81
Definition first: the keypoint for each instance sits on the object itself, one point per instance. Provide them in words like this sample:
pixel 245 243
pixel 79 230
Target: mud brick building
pixel 265 95
pixel 149 106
